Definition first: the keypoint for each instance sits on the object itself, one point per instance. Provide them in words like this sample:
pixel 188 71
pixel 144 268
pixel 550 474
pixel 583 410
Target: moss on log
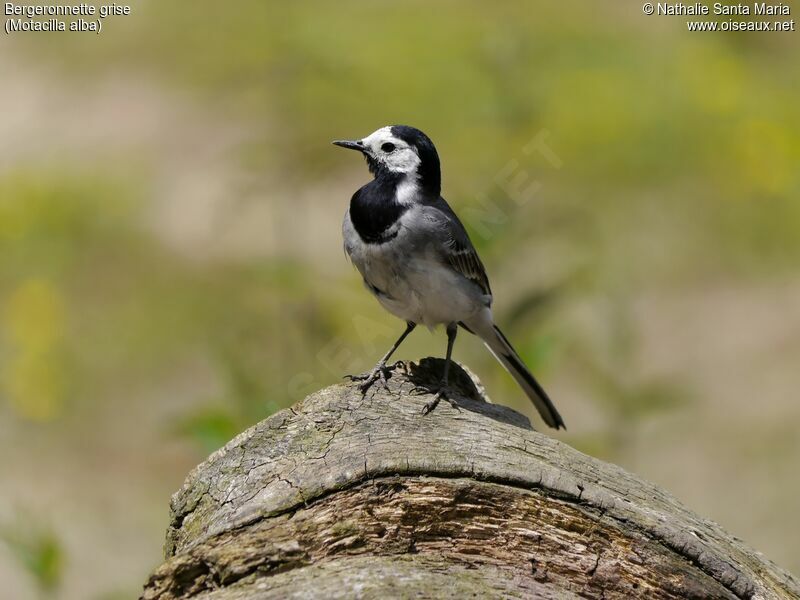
pixel 346 496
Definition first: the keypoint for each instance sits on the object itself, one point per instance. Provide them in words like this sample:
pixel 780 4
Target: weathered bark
pixel 350 496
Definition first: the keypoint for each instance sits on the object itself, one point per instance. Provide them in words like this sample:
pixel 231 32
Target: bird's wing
pixel 457 249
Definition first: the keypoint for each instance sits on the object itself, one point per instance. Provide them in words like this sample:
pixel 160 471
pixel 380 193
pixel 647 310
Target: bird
pixel 416 258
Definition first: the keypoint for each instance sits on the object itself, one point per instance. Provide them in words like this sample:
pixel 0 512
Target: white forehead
pixel 381 136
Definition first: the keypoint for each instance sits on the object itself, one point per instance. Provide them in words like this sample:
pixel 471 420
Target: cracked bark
pixel 350 496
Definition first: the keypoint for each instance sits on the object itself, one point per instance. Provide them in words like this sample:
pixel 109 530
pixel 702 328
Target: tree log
pixel 351 496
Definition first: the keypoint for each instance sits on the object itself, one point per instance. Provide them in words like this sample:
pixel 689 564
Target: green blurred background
pixel 171 267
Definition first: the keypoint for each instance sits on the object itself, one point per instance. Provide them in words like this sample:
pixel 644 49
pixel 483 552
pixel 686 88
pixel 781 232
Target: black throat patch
pixel 374 209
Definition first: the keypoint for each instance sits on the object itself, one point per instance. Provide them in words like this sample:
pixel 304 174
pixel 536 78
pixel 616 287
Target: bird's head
pixel 400 152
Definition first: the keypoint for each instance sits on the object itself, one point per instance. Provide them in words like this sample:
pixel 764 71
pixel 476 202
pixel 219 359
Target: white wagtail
pixel 416 257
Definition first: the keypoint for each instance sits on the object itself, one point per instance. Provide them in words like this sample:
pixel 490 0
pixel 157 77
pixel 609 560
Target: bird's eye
pixel 387 147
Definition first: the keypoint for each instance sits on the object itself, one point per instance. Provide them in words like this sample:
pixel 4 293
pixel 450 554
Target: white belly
pixel 413 284
pixel 425 292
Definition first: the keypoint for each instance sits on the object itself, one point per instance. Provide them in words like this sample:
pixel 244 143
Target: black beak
pixel 351 144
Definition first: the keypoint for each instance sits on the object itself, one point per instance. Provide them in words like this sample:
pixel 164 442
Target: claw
pixel 360 377
pixel 443 393
pixel 379 375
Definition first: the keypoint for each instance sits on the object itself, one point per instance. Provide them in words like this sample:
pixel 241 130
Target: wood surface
pixel 351 496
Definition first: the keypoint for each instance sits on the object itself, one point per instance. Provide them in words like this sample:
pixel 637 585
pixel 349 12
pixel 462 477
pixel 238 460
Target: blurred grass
pixel 38 550
pixel 679 152
pixel 698 143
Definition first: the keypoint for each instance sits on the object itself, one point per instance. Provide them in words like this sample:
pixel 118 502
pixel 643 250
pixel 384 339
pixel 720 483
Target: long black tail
pixel 503 351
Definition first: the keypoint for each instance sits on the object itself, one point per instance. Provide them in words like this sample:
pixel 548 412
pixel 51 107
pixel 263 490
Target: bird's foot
pixel 440 392
pixel 380 375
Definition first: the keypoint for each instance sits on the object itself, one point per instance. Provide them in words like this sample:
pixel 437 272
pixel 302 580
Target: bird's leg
pixel 379 373
pixel 444 390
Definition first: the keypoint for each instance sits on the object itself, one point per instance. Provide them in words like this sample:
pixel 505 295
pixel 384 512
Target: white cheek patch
pixel 402 160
